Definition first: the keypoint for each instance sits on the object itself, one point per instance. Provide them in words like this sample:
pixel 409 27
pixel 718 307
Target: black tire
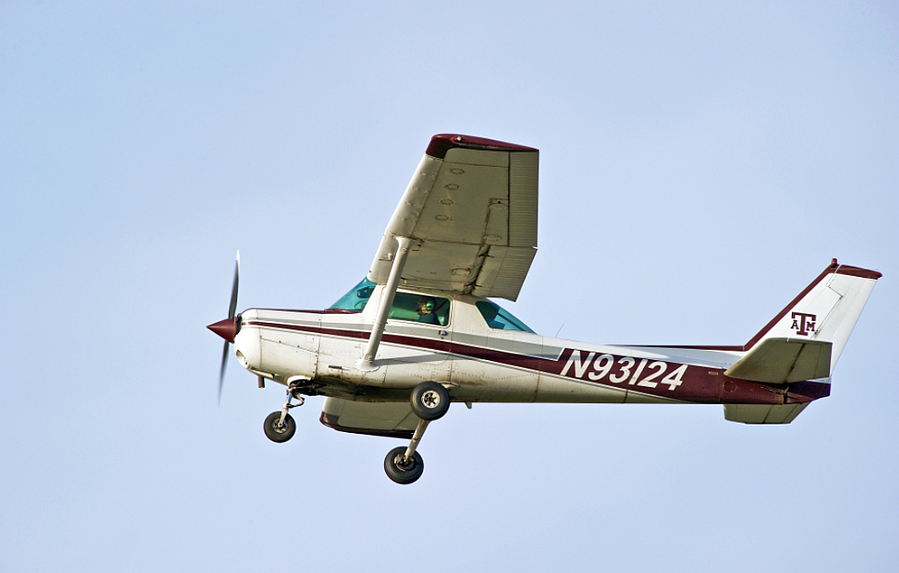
pixel 276 432
pixel 400 472
pixel 430 401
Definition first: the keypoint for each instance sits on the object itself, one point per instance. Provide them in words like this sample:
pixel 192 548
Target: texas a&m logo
pixel 804 323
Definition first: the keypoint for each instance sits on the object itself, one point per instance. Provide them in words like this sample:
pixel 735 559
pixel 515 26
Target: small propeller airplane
pixel 420 331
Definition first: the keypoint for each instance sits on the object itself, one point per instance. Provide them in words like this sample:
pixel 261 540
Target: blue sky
pixel 700 164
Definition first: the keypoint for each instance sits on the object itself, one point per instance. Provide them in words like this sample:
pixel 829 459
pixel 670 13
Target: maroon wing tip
pixel 443 142
pixel 854 271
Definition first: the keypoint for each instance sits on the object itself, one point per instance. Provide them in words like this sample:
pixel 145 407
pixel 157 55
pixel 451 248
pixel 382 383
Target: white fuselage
pixel 476 362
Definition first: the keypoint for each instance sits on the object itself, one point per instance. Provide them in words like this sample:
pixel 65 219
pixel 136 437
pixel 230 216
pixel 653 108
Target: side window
pixel 420 308
pixel 498 318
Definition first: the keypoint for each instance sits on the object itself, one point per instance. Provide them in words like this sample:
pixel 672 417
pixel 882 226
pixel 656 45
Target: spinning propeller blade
pixel 222 369
pixel 229 327
pixel 233 305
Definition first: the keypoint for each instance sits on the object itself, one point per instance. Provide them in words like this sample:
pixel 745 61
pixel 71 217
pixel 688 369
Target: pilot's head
pixel 425 305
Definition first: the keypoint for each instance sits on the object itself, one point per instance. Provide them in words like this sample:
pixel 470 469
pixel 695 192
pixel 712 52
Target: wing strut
pixel 367 362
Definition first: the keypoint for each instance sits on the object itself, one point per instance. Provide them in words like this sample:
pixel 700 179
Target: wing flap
pixel 501 271
pixel 784 361
pixel 391 419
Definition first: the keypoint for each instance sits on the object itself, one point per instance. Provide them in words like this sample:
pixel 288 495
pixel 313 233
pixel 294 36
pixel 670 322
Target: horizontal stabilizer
pixel 763 413
pixel 783 361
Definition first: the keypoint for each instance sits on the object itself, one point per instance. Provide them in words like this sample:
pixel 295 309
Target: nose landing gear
pixel 279 426
pixel 277 430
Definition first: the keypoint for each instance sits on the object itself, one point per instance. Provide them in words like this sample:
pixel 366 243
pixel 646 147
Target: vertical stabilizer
pixel 826 311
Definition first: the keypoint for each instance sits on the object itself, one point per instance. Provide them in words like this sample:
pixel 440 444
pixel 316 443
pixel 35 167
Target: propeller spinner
pixel 228 327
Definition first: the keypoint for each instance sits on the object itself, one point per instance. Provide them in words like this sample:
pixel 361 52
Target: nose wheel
pixel 280 426
pixel 277 430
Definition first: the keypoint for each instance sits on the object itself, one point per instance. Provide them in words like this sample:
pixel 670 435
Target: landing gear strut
pixel 430 401
pixel 280 426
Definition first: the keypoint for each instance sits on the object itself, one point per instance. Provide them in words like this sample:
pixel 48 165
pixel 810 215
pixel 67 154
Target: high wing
pixel 471 212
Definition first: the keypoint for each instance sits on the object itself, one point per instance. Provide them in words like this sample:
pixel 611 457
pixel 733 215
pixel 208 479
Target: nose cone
pixel 227 328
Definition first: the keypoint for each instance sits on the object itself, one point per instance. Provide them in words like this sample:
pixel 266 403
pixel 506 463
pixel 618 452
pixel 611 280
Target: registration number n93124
pixel 607 368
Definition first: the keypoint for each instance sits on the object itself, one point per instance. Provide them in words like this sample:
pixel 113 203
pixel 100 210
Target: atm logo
pixel 803 323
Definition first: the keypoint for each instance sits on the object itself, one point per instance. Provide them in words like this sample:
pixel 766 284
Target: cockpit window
pixel 406 306
pixel 357 298
pixel 420 308
pixel 499 318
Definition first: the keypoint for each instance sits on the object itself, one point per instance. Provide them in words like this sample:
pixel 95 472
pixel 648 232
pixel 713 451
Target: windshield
pixel 499 318
pixel 357 298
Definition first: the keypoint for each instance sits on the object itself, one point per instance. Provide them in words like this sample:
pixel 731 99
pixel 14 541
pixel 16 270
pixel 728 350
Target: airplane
pixel 422 330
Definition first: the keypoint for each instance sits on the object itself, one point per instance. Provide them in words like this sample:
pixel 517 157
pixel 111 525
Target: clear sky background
pixel 700 165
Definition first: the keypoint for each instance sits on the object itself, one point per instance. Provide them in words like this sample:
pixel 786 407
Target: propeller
pixel 229 327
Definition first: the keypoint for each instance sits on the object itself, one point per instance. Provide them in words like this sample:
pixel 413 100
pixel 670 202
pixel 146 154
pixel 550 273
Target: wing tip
pixel 443 142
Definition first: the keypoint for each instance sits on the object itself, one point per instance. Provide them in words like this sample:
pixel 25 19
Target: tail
pixel 804 341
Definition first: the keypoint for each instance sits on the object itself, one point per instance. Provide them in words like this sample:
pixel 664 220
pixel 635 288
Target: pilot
pixel 426 310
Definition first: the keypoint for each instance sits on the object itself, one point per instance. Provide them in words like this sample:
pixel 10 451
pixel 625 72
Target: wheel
pixel 430 400
pixel 403 472
pixel 277 432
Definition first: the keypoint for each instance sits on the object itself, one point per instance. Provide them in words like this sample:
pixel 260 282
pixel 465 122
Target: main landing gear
pixel 430 401
pixel 279 426
pixel 404 465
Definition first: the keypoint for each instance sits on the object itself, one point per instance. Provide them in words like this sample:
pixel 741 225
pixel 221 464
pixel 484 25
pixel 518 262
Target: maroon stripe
pixel 698 384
